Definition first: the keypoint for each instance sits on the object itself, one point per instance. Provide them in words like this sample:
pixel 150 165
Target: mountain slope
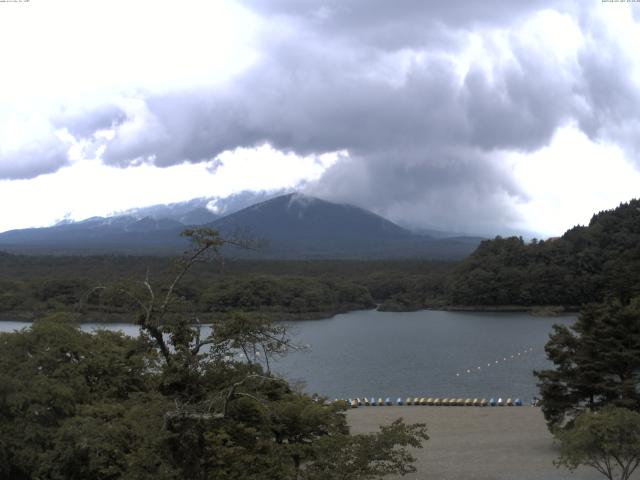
pixel 296 225
pixel 199 211
pixel 121 234
pixel 293 225
pixel 298 218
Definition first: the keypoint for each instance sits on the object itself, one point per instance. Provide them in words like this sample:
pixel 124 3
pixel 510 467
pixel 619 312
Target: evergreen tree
pixel 597 362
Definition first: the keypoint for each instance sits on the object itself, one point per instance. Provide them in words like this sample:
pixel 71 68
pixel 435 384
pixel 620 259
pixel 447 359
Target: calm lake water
pixel 424 353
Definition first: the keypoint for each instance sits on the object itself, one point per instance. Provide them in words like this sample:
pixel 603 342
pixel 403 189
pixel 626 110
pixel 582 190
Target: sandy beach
pixel 492 443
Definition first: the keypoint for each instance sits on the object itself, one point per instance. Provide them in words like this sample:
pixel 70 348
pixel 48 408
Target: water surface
pixel 424 353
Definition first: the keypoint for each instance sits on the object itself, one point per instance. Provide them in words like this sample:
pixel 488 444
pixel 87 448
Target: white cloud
pixel 572 179
pixel 90 188
pixel 70 49
pixel 428 105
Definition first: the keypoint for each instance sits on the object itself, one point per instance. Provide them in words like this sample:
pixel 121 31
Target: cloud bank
pixel 427 97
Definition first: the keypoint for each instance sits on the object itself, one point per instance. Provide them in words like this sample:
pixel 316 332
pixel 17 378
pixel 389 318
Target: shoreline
pixel 535 310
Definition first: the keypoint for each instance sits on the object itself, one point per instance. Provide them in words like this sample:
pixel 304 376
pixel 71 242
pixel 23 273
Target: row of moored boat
pixel 446 402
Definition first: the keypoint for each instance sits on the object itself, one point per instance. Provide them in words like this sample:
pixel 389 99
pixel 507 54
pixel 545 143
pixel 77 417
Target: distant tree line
pixel 586 264
pixel 36 286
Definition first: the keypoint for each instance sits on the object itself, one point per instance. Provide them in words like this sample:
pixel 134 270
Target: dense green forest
pixel 31 286
pixel 586 264
pixel 172 405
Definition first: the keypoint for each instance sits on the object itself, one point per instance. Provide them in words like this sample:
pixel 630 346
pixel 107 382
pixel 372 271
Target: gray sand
pixel 491 443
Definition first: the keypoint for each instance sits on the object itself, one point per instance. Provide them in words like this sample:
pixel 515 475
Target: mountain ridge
pixel 294 224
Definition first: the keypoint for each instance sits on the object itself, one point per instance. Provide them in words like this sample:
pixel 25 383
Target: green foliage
pixel 367 456
pixel 289 294
pixel 597 362
pixel 98 287
pixel 52 373
pixel 607 440
pixel 586 264
pixel 170 404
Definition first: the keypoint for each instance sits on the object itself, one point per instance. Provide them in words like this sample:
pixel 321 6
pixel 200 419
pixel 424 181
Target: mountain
pixel 121 234
pixel 199 211
pixel 297 225
pixel 147 230
pixel 292 226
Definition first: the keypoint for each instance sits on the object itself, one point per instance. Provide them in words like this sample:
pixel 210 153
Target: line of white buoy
pixel 495 362
pixel 431 401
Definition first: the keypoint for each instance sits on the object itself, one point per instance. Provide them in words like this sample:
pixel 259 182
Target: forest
pixel 588 263
pixel 32 286
pixel 171 405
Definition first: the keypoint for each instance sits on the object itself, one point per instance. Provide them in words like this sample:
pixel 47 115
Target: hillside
pixel 297 225
pixel 120 234
pixel 292 226
pixel 584 265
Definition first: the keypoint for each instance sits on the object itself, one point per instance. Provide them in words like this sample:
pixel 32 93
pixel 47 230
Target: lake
pixel 424 353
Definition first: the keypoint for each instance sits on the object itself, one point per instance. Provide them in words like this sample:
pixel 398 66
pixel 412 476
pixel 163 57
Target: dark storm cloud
pixel 33 159
pixel 83 124
pixel 429 131
pixel 379 79
pixel 443 189
pixel 400 23
pixel 611 107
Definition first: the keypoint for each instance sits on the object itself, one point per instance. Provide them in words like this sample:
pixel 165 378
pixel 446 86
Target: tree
pixel 367 456
pixel 174 403
pixel 236 420
pixel 607 440
pixel 61 387
pixel 597 363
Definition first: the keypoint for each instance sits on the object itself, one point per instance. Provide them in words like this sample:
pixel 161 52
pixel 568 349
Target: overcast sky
pixel 462 115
